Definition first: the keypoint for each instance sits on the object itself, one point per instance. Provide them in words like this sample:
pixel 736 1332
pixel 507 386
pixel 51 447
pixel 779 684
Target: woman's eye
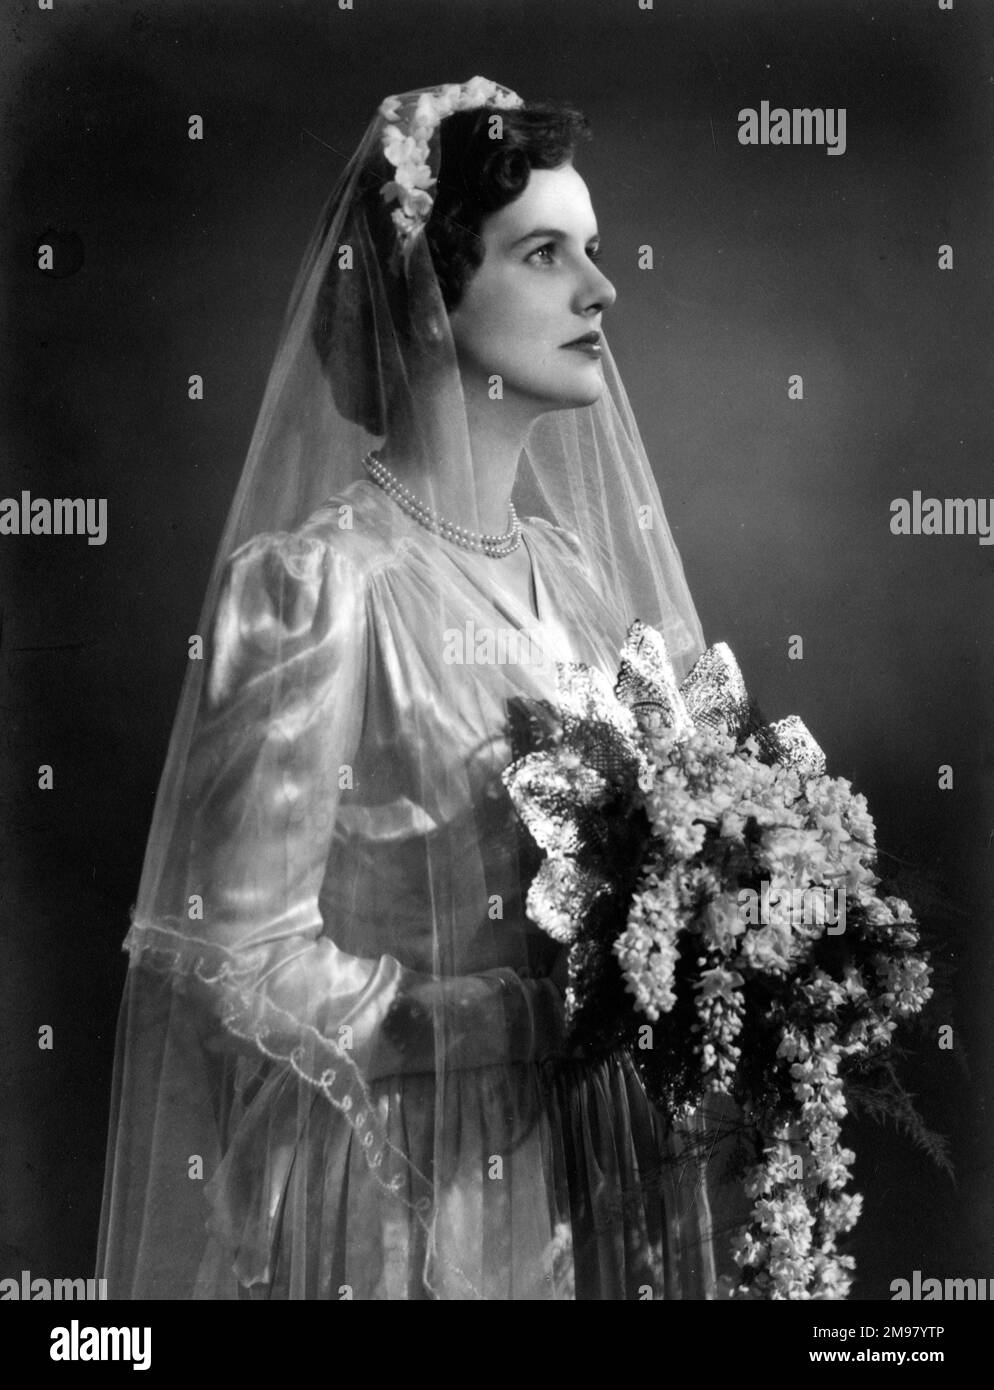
pixel 546 254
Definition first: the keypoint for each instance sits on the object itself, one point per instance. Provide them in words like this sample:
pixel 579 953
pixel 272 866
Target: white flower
pixel 646 950
pixel 409 152
pixel 721 982
pixel 477 92
pixel 721 922
pixel 900 909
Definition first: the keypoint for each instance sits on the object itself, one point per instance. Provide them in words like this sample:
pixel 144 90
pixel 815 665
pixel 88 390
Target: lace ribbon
pixel 562 796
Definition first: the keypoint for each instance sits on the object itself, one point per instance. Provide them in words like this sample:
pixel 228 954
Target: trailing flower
pixel 729 883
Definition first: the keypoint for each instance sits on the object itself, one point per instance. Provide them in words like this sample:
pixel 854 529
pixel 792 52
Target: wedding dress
pixel 342 1067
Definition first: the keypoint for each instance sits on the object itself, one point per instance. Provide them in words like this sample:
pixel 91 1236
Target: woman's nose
pixel 598 293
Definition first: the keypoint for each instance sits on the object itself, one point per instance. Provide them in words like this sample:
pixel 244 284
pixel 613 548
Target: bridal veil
pixel 329 940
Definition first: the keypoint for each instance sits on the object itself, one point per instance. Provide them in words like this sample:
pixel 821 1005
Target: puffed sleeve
pixel 282 717
pixel 280 724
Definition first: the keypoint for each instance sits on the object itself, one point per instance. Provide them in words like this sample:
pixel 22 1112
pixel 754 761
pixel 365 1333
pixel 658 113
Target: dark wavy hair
pixel 477 175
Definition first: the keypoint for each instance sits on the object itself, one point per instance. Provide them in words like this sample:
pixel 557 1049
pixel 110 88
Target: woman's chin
pixel 583 390
pixel 592 395
pixel 580 389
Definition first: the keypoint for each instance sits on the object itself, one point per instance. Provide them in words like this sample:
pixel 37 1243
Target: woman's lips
pixel 591 349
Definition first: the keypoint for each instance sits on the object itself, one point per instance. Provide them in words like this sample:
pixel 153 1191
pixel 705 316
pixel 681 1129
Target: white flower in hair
pixel 408 151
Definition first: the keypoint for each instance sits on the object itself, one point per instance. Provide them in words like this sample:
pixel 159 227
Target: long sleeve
pixel 284 703
pixel 284 698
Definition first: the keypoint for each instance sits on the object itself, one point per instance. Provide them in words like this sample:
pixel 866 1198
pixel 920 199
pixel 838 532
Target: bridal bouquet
pixel 718 897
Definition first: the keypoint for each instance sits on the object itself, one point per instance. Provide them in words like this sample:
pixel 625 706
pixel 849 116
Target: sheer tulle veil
pixel 308 876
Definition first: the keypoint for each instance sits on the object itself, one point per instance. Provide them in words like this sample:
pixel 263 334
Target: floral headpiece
pixel 407 150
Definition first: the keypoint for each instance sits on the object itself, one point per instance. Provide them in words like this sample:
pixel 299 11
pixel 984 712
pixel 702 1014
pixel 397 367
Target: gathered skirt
pixel 551 1181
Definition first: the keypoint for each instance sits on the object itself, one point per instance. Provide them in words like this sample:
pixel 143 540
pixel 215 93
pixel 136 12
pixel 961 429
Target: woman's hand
pixel 488 1019
pixel 559 974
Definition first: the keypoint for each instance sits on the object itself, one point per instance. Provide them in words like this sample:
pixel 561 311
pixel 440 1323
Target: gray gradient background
pixel 768 262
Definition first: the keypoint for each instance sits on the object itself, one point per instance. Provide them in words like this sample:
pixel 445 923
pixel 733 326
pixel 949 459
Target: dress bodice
pixel 427 852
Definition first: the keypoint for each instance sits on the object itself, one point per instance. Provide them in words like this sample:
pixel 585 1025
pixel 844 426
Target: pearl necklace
pixel 494 546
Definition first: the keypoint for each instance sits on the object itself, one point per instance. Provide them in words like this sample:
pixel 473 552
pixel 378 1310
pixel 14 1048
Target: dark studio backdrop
pixel 176 257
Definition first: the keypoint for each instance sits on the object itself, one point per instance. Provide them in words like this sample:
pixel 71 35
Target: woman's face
pixel 537 291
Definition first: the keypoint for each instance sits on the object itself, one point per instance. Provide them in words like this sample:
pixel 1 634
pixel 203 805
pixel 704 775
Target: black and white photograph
pixel 496 596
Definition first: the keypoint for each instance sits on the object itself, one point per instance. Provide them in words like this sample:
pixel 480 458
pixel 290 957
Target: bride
pixel 342 1069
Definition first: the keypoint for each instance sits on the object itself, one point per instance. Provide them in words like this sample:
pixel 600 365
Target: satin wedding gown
pixel 556 1178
